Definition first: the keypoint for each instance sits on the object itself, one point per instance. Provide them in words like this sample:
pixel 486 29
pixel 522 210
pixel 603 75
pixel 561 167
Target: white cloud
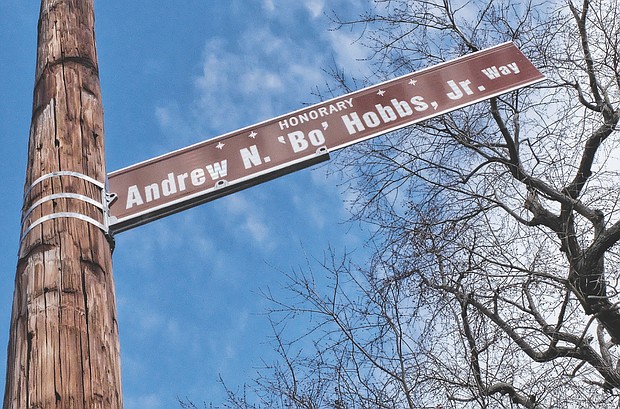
pixel 315 7
pixel 233 79
pixel 247 215
pixel 179 131
pixel 235 204
pixel 271 72
pixel 257 229
pixel 143 402
pixel 260 79
pixel 224 346
pixel 349 51
pixel 163 116
pixel 307 74
pixel 148 321
pixel 268 5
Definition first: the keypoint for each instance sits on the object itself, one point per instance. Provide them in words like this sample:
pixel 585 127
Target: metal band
pixel 63 196
pixel 95 182
pixel 103 205
pixel 63 215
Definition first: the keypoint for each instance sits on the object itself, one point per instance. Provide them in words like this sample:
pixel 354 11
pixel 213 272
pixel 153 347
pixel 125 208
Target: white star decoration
pixel 253 135
pixel 220 145
pixel 413 82
pixel 381 92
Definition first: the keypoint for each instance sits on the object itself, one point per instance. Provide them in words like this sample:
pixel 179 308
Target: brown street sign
pixel 205 171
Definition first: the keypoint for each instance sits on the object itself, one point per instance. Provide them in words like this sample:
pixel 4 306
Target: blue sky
pixel 176 73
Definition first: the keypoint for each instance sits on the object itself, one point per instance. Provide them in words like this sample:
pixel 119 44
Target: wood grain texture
pixel 64 348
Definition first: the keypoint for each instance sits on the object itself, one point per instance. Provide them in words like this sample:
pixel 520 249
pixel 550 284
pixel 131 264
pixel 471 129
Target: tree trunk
pixel 63 348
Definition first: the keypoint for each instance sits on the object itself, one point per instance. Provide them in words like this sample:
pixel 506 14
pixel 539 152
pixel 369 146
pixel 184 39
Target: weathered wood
pixel 63 348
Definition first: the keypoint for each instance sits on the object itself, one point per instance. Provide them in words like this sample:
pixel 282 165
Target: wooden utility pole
pixel 63 348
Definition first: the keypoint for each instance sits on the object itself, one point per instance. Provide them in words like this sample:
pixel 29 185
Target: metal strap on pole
pixel 64 215
pixel 63 196
pixel 95 182
pixel 103 205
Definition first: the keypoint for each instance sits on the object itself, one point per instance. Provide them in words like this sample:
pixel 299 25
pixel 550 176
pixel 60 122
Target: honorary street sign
pixel 219 166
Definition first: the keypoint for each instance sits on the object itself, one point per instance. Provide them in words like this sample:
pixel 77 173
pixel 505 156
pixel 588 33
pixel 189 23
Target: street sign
pixel 205 171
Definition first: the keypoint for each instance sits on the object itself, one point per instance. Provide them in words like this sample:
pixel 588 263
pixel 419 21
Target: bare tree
pixel 494 283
